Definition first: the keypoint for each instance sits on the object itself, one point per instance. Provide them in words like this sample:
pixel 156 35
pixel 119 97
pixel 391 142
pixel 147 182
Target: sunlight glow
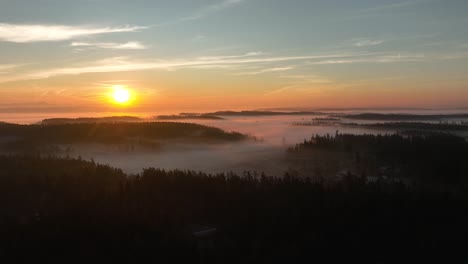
pixel 121 95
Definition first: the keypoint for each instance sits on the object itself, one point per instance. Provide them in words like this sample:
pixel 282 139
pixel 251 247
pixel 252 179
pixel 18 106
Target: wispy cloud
pixel 300 88
pixel 5 68
pixel 382 9
pixel 201 13
pixel 198 38
pixel 119 64
pixel 132 45
pixel 297 79
pixel 249 61
pixel 37 33
pixel 452 55
pixel 400 58
pixel 383 58
pixel 223 57
pixel 212 9
pixel 367 42
pixel 303 84
pixel 269 70
pixel 394 5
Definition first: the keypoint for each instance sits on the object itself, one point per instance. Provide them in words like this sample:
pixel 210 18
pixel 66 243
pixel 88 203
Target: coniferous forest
pixel 67 210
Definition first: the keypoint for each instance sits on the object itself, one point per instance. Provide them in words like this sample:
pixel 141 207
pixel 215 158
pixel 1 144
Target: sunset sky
pixel 58 55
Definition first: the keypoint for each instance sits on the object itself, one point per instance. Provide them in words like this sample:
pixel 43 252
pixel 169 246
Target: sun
pixel 121 95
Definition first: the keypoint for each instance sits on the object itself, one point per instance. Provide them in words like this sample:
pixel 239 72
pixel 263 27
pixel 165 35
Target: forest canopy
pixel 114 132
pixel 55 208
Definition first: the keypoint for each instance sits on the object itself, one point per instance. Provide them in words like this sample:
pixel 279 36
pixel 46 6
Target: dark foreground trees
pixel 431 159
pixel 69 210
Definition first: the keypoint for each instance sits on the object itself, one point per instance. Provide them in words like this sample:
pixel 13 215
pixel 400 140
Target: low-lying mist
pixel 267 153
pixel 211 158
pixel 264 151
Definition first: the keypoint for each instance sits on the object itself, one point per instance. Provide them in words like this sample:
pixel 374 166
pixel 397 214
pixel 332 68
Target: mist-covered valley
pixel 262 150
pixel 265 150
pixel 260 143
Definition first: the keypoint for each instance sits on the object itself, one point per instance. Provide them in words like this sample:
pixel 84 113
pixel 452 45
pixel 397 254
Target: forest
pixel 29 137
pixel 434 160
pixel 264 113
pixel 71 210
pixel 109 119
pixel 188 116
pixel 405 117
pixel 407 126
pixel 359 195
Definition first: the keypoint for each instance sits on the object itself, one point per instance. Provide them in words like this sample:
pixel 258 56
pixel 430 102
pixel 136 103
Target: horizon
pixel 29 117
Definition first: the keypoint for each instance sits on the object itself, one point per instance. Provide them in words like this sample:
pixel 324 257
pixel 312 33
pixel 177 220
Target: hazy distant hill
pixel 183 116
pixel 261 113
pixel 414 126
pixel 50 121
pixel 376 116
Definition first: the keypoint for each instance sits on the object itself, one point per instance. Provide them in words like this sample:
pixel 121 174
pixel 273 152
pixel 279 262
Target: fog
pixel 266 154
pixel 251 156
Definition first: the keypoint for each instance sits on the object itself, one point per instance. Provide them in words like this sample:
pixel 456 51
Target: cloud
pixel 5 68
pixel 367 42
pixel 199 38
pixel 400 58
pixel 383 58
pixel 276 69
pixel 249 54
pixel 243 61
pixel 37 33
pixel 379 10
pixel 303 83
pixel 120 64
pixel 310 88
pixel 212 9
pixel 452 55
pixel 324 62
pixel 132 45
pixel 306 79
pixel 300 88
pixel 201 13
pixel 397 5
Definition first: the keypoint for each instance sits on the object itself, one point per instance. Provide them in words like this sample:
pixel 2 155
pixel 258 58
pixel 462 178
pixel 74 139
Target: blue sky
pixel 236 53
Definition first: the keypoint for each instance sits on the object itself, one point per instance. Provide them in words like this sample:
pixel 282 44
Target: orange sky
pixel 233 54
